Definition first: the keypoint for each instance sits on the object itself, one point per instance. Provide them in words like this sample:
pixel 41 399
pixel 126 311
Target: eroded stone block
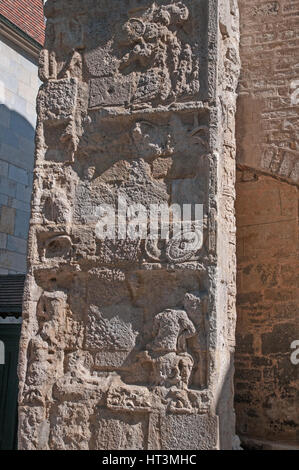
pixel 198 432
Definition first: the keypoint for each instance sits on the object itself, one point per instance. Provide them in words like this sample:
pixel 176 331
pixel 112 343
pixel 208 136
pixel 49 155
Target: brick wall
pixel 26 15
pixel 268 124
pixel 266 382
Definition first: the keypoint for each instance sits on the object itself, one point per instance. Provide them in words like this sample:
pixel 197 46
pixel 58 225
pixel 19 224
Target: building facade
pixel 21 38
pixel 267 379
pixel 266 189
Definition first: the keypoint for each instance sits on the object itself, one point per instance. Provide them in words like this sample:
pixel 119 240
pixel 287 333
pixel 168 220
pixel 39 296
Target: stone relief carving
pixel 56 208
pixel 170 331
pixel 61 57
pixel 156 48
pixel 156 65
pixel 45 350
pixel 114 328
pixel 185 243
pixel 120 337
pixel 59 246
pixel 121 397
pixel 59 109
pixel 167 353
pixel 155 138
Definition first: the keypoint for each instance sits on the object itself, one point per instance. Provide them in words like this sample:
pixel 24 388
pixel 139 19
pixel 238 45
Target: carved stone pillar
pixel 127 342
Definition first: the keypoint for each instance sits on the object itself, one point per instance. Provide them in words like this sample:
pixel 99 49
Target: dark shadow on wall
pixel 225 409
pixel 16 155
pixel 16 133
pixel 16 174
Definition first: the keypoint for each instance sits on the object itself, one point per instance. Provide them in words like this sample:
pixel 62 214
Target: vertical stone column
pixel 127 342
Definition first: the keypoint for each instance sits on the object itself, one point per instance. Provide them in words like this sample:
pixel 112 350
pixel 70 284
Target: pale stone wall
pixel 268 301
pixel 267 382
pixel 18 90
pixel 129 344
pixel 269 89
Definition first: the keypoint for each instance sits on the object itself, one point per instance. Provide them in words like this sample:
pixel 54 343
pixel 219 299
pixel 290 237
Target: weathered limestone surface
pixel 268 103
pixel 267 381
pixel 129 344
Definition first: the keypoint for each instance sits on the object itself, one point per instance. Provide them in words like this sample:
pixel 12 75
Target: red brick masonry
pixel 26 15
